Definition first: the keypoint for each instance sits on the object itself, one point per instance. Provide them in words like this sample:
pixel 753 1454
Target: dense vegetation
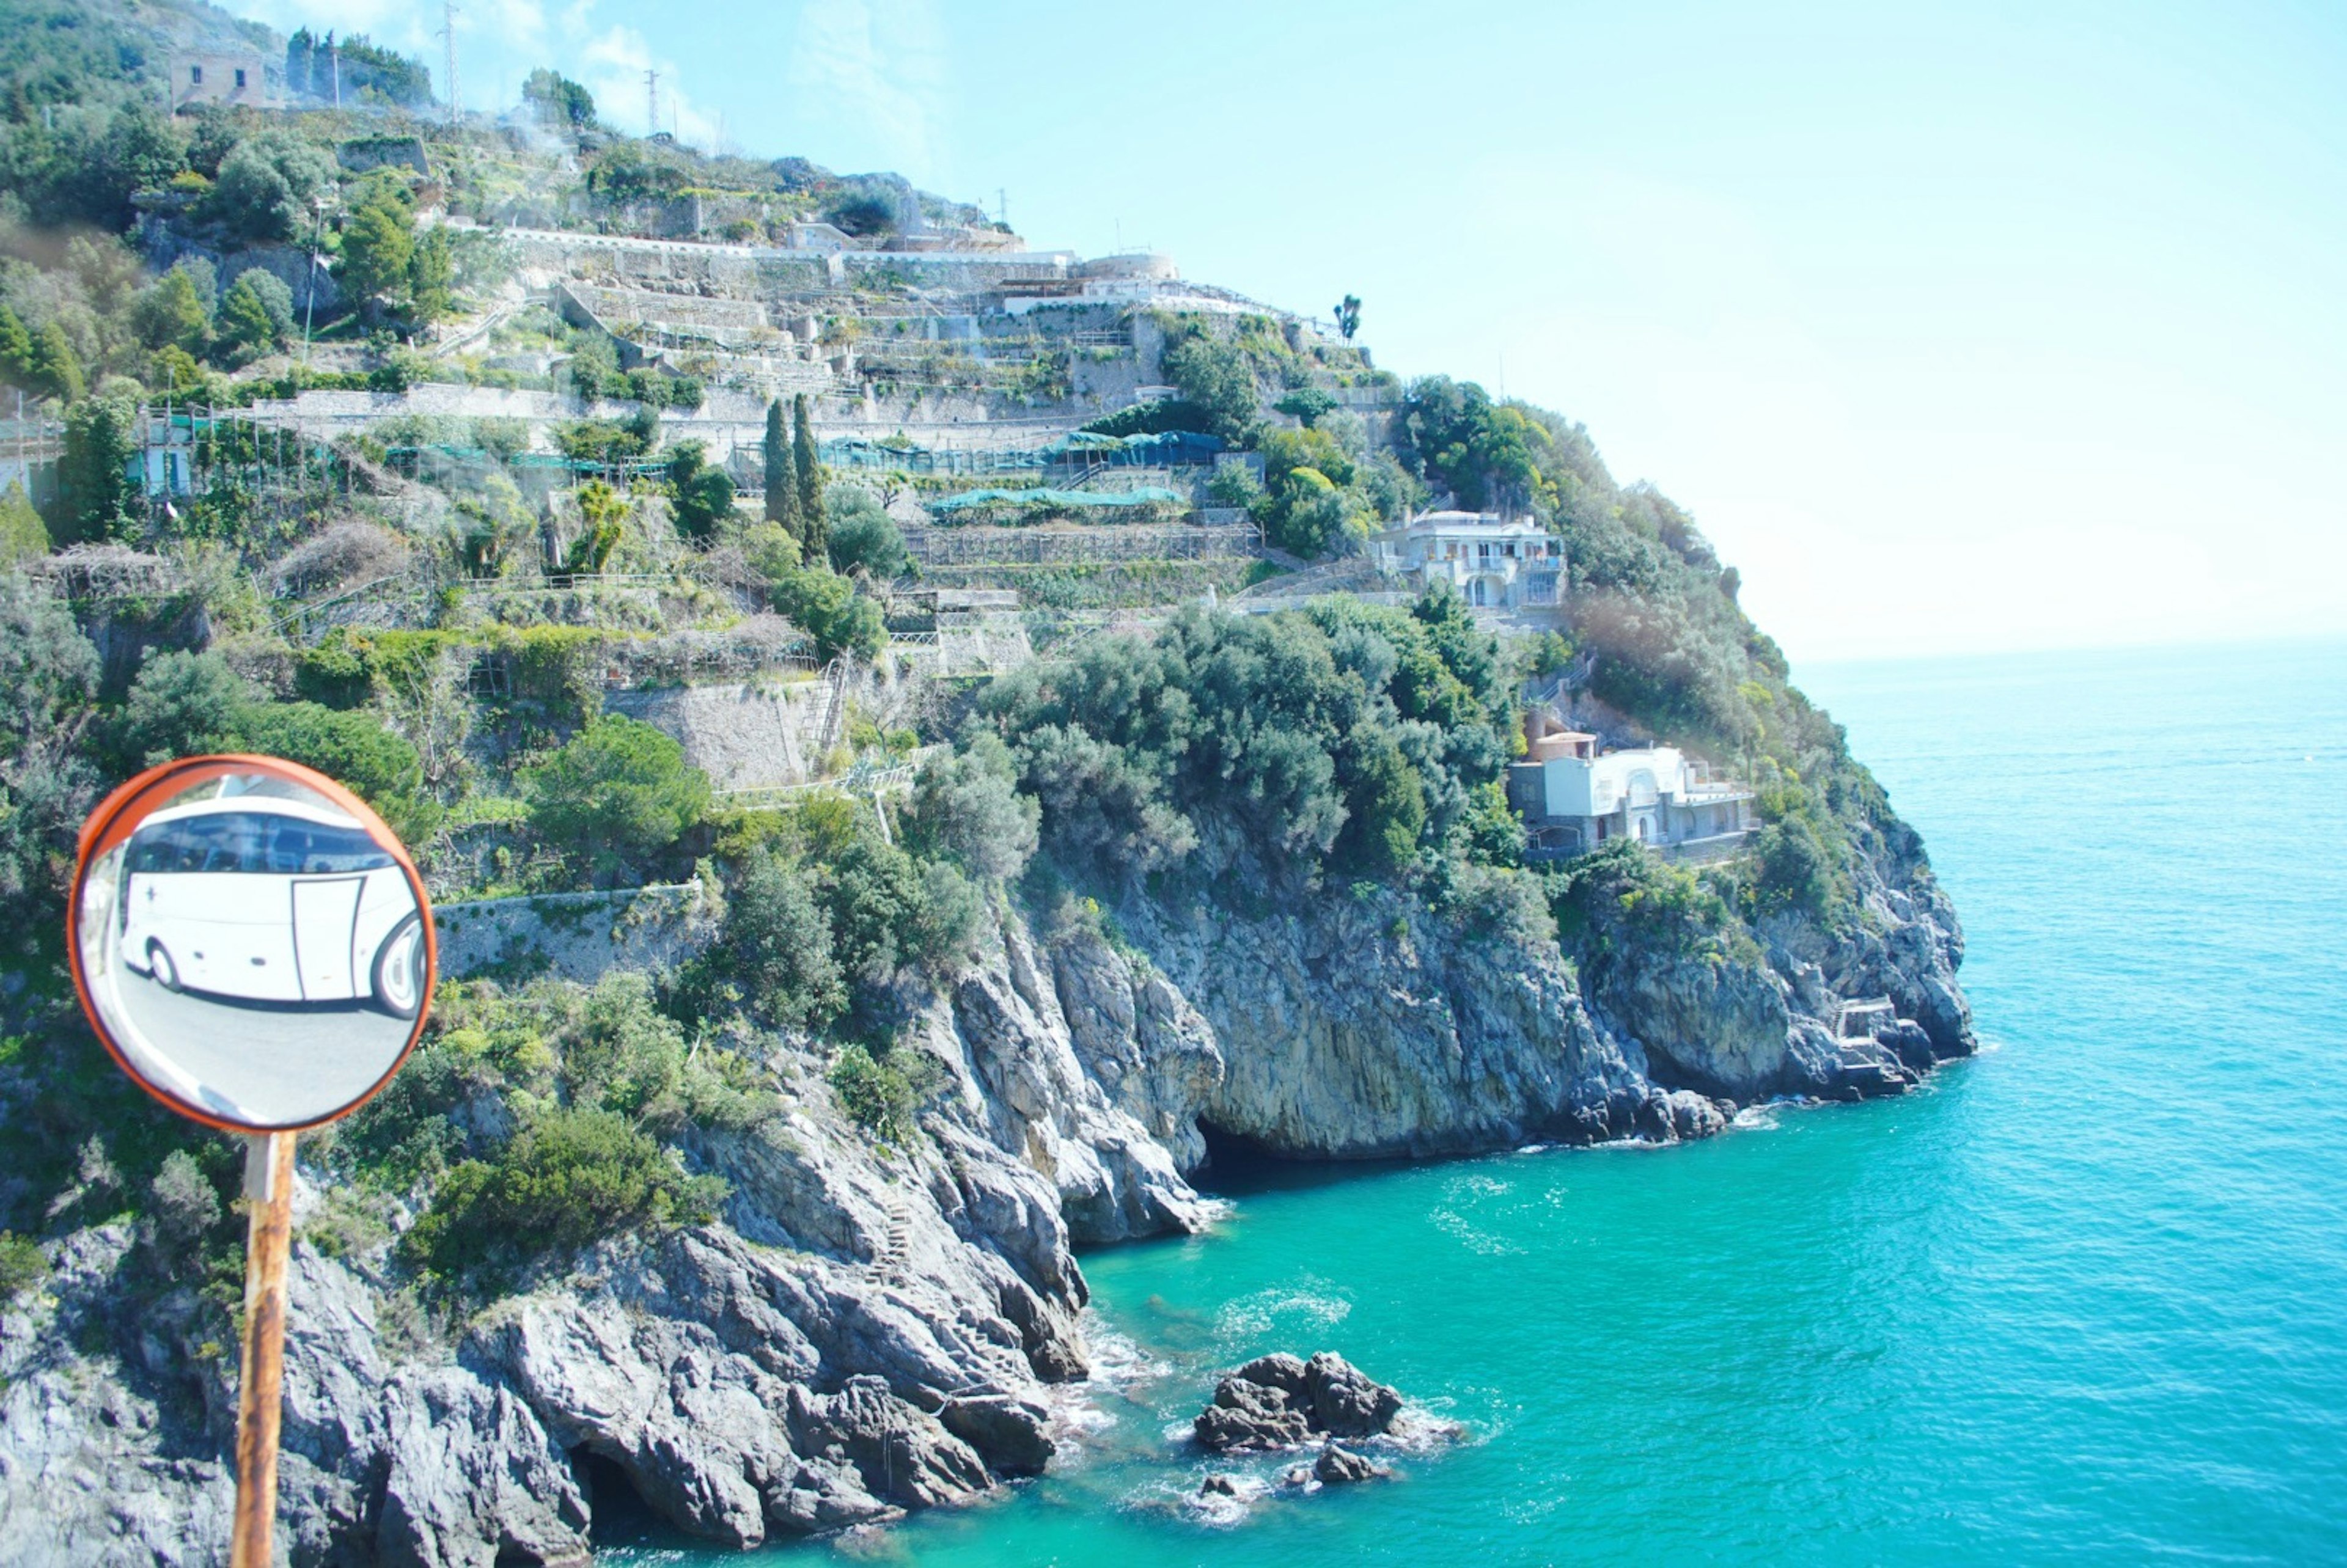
pixel 1348 735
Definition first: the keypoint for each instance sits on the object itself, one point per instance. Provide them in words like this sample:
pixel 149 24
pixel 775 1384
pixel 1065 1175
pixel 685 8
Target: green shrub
pixel 1621 895
pixel 561 669
pixel 775 950
pixel 568 1178
pixel 876 1093
pixel 1796 872
pixel 1216 378
pixel 22 533
pixel 828 608
pixel 1154 417
pixel 23 1266
pixel 334 675
pixel 967 807
pixel 1385 807
pixel 1307 404
pixel 184 704
pixel 619 788
pixel 703 496
pixel 1280 725
pixel 861 537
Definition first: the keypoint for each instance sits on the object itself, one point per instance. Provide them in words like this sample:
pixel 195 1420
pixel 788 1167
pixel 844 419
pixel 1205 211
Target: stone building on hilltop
pixel 200 76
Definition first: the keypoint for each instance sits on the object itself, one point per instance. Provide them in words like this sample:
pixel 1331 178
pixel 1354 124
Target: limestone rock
pixel 1279 1401
pixel 869 1330
pixel 1337 1466
pixel 1345 1402
pixel 473 1480
pixel 1008 1433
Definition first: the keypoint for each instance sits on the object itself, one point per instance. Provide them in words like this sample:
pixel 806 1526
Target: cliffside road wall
pixel 575 936
pixel 758 735
pixel 746 736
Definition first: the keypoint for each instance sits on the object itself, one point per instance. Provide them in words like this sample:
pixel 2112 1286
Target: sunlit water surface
pixel 2085 1297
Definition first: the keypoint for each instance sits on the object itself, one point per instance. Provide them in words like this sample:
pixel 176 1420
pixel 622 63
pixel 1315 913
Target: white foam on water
pixel 1474 1238
pixel 1253 1316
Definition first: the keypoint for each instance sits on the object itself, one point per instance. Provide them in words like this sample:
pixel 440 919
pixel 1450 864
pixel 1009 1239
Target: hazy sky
pixel 1991 326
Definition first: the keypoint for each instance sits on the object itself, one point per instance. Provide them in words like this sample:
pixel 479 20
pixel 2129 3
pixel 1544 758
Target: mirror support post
pixel 269 1188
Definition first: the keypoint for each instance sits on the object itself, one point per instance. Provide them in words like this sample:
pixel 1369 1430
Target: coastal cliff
pixel 1085 747
pixel 868 1329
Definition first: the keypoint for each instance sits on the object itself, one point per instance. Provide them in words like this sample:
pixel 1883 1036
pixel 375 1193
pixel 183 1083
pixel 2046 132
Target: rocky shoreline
pixel 867 1331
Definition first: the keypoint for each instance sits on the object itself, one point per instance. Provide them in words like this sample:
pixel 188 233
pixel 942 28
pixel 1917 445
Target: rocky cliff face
pixel 868 1330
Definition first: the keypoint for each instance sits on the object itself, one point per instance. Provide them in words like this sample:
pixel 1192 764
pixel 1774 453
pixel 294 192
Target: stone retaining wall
pixel 575 936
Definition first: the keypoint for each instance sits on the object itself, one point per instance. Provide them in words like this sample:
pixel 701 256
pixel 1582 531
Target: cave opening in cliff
pixel 1237 1165
pixel 617 1513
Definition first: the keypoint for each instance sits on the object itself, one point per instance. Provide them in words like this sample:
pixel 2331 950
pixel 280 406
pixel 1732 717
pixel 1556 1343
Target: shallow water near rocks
pixel 2084 1297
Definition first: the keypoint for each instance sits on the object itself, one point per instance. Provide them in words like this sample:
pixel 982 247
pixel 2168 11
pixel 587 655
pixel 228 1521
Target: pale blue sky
pixel 1989 326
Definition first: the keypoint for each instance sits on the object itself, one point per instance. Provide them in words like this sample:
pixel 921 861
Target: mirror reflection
pixel 253 950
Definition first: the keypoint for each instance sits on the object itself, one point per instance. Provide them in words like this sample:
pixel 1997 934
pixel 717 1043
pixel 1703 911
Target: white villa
pixel 1573 798
pixel 1492 563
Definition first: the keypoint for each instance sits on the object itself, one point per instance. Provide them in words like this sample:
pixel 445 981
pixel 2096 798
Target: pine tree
pixel 378 243
pixel 814 532
pixel 782 477
pixel 56 369
pixel 246 328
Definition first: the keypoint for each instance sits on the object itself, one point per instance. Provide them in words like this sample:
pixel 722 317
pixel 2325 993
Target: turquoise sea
pixel 2084 1299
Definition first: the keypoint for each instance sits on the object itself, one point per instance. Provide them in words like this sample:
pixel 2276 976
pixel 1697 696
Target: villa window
pixel 195 75
pixel 240 79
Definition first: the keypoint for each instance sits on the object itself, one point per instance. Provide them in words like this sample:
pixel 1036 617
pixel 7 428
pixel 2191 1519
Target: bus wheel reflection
pixel 399 970
pixel 159 965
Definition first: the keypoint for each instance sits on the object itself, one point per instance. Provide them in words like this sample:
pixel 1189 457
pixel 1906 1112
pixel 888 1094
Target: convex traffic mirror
pixel 251 941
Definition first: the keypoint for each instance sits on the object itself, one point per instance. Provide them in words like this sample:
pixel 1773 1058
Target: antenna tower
pixel 448 32
pixel 652 103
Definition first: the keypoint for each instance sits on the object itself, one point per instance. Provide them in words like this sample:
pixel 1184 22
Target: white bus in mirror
pixel 269 900
pixel 251 941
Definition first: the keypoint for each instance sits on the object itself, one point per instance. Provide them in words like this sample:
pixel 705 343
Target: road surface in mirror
pixel 263 1063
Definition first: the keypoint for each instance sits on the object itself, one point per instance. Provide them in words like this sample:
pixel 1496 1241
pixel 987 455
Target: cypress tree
pixel 93 473
pixel 21 533
pixel 298 50
pixel 816 533
pixel 16 348
pixel 782 476
pixel 55 368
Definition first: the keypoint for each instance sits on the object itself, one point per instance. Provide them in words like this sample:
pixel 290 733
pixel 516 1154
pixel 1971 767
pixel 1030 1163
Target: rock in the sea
pixel 1246 1415
pixel 1218 1486
pixel 1338 1465
pixel 1347 1403
pixel 1279 1401
pixel 1007 1433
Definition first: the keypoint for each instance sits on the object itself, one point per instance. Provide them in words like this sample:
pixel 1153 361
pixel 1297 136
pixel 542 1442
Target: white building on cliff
pixel 1573 798
pixel 1494 564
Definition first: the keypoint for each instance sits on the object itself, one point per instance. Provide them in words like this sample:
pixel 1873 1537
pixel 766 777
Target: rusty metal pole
pixel 269 1187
